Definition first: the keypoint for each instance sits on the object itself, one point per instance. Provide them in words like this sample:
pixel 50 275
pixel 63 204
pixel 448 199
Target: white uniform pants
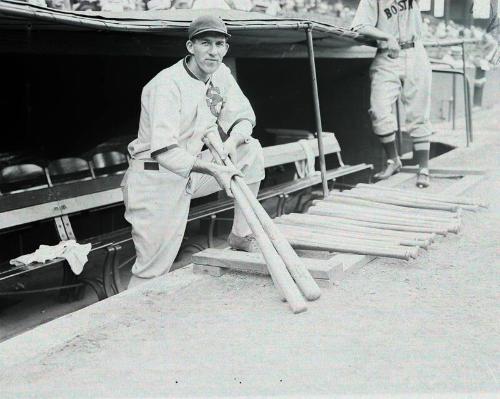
pixel 157 206
pixel 408 76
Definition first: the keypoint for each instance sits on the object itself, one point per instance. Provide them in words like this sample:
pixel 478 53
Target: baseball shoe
pixel 247 243
pixel 393 167
pixel 423 179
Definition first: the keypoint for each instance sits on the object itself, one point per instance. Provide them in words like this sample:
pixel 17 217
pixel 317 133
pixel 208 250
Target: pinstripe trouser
pixel 157 206
pixel 408 76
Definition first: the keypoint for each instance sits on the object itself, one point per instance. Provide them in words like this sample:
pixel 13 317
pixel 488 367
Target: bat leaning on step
pixel 283 263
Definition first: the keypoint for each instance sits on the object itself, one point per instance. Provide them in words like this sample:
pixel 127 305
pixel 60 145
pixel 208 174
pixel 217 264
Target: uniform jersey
pixel 178 109
pixel 399 18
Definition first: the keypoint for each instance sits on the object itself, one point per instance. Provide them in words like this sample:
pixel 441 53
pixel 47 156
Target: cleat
pixel 247 243
pixel 393 167
pixel 423 179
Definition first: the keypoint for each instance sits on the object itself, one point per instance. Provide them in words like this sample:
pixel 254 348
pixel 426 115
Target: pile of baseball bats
pixel 378 221
pixel 367 220
pixel 290 276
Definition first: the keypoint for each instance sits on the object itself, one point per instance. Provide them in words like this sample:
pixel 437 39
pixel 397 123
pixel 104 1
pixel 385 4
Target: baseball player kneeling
pixel 401 68
pixel 179 106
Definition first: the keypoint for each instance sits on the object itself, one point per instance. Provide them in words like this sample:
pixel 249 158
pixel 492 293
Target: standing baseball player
pixel 400 69
pixel 179 106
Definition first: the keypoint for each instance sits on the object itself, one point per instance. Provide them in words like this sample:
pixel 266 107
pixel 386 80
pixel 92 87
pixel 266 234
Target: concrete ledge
pixel 45 337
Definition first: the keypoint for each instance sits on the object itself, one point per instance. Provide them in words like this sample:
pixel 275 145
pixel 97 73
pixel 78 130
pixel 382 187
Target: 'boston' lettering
pixel 400 5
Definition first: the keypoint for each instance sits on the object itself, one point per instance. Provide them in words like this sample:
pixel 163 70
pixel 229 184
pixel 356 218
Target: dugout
pixel 72 83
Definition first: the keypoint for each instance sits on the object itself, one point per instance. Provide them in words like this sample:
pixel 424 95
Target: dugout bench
pixel 61 202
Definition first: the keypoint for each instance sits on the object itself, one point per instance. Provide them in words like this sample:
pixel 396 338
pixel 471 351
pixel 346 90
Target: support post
pixel 454 103
pixel 468 110
pixel 317 113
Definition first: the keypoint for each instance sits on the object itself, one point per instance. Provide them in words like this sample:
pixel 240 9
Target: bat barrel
pixel 276 267
pixel 294 264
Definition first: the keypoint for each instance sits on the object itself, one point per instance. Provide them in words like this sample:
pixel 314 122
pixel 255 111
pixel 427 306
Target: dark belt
pixel 151 166
pixel 406 45
pixel 402 45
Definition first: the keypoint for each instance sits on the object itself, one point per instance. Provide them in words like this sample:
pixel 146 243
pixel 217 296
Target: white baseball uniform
pixel 177 109
pixel 408 76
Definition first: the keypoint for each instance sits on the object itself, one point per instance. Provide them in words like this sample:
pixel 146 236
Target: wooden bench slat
pixel 285 153
pixel 30 206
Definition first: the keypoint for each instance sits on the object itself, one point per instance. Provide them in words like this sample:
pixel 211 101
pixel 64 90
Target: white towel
pixel 305 167
pixel 74 253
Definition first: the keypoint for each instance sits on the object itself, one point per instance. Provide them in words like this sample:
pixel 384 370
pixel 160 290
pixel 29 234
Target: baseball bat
pixel 314 220
pixel 435 197
pixel 367 222
pixel 367 216
pixel 408 196
pixel 354 235
pixel 377 198
pixel 407 215
pixel 369 239
pixel 277 268
pixel 347 247
pixel 352 224
pixel 293 263
pixel 339 198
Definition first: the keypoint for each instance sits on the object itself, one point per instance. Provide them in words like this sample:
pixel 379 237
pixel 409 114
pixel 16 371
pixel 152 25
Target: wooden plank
pixel 353 263
pixel 86 187
pixel 285 153
pixel 91 201
pixel 30 214
pixel 25 199
pixel 254 262
pixel 446 171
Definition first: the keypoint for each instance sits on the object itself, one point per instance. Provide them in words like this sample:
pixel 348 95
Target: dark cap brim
pixel 209 30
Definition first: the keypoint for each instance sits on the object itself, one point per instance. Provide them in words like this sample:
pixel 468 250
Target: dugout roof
pixel 253 34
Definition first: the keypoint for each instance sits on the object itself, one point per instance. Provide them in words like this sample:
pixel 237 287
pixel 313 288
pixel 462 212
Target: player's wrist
pixel 239 138
pixel 204 167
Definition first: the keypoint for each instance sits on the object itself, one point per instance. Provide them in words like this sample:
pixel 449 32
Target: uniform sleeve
pixel 164 115
pixel 366 15
pixel 236 114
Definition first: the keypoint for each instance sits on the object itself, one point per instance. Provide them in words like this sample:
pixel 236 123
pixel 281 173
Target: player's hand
pixel 393 48
pixel 224 175
pixel 230 147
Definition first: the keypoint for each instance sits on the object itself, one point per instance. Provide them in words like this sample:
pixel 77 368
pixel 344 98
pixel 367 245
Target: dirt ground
pixel 428 326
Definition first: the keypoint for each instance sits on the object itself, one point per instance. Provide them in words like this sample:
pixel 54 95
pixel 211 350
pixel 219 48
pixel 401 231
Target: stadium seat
pixel 106 163
pixel 65 170
pixel 22 177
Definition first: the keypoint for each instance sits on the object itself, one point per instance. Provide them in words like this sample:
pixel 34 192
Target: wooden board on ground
pixel 215 261
pixel 353 263
pixel 446 171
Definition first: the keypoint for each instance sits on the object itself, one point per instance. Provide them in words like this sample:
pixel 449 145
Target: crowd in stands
pixel 334 12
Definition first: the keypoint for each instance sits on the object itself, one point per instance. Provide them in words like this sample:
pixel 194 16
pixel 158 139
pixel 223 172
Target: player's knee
pixel 251 160
pixel 379 113
pixel 257 154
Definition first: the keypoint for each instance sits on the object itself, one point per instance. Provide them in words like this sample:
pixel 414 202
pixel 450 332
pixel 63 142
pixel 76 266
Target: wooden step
pixel 215 262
